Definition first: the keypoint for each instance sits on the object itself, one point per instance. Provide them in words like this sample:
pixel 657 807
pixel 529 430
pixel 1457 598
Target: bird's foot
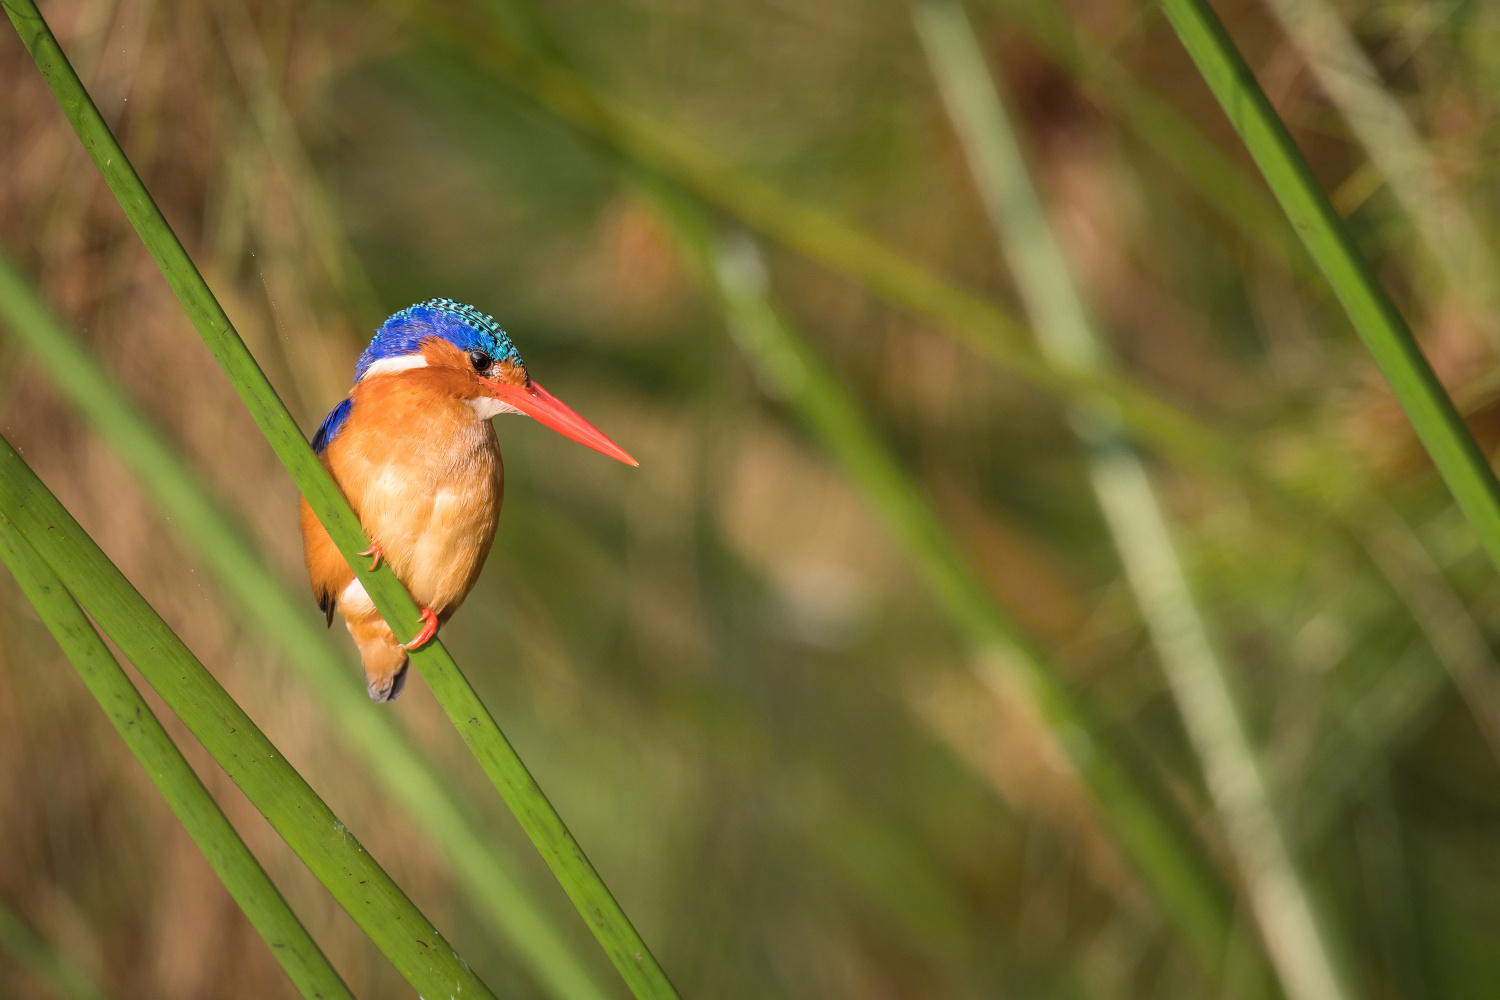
pixel 375 552
pixel 429 629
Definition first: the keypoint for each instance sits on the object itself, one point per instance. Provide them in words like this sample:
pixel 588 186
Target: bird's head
pixel 472 359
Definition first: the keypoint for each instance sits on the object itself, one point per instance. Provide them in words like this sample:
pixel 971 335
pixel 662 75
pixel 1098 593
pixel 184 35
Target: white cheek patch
pixel 488 406
pixel 389 366
pixel 353 600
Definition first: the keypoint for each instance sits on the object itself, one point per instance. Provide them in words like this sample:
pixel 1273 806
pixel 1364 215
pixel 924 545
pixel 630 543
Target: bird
pixel 413 448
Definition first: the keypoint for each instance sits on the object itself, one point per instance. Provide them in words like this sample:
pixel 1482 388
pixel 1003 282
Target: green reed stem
pixel 133 719
pixel 1447 229
pixel 481 868
pixel 1375 317
pixel 294 810
pixel 465 710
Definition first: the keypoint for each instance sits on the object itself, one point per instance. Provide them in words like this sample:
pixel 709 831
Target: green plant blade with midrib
pixel 1379 323
pixel 496 890
pixel 624 945
pixel 302 819
pixel 138 726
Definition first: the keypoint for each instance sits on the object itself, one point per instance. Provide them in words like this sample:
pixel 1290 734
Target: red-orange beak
pixel 542 406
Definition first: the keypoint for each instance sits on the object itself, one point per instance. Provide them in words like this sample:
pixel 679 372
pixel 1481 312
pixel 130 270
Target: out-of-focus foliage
pixel 763 729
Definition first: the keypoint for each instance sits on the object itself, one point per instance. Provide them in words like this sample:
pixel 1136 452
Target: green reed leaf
pixel 200 815
pixel 294 810
pixel 1379 323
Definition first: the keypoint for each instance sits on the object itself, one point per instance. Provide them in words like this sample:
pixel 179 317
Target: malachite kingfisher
pixel 414 450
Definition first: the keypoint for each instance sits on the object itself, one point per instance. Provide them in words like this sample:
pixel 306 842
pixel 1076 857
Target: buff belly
pixel 430 501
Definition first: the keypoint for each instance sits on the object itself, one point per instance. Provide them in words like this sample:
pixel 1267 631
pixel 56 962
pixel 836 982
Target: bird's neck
pixel 414 404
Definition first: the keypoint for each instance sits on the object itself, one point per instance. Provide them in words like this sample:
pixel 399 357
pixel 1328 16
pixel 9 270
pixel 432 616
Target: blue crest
pixel 464 326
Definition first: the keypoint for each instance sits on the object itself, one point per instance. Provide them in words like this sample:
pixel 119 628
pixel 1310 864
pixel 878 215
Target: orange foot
pixel 429 629
pixel 375 552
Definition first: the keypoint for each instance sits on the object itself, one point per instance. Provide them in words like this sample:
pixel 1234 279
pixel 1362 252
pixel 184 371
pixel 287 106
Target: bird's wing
pixel 327 571
pixel 331 425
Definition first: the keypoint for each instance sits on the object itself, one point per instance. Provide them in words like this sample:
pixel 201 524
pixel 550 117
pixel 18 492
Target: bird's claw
pixel 375 552
pixel 429 629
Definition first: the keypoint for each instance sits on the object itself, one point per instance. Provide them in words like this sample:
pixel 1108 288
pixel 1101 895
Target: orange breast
pixel 423 473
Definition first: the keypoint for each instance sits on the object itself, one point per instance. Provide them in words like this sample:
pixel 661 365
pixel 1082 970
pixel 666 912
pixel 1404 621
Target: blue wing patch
pixel 331 424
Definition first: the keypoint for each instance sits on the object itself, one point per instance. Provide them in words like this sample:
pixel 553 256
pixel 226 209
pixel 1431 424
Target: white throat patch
pixel 389 366
pixel 488 406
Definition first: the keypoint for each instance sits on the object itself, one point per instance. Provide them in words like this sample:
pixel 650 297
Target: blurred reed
pixel 1379 323
pixel 1400 156
pixel 28 949
pixel 138 726
pixel 1139 820
pixel 1279 897
pixel 819 236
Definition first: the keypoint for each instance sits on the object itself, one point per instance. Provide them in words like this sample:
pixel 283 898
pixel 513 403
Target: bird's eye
pixel 481 361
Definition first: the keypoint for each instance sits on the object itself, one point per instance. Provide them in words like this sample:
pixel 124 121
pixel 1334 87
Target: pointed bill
pixel 545 408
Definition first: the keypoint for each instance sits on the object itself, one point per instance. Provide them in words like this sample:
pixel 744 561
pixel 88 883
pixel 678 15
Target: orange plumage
pixel 415 453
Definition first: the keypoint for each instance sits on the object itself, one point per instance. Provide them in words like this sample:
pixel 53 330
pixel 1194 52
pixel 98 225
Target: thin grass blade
pixel 302 819
pixel 1379 323
pixel 1279 898
pixel 496 890
pixel 142 732
pixel 624 945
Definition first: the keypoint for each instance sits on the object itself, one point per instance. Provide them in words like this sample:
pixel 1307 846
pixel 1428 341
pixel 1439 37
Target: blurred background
pixel 806 764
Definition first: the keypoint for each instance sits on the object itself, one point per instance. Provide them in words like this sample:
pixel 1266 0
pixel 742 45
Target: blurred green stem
pixel 142 732
pixel 1443 223
pixel 820 237
pixel 21 942
pixel 1223 183
pixel 1145 829
pixel 268 606
pixel 1379 323
pixel 1278 897
pixel 468 714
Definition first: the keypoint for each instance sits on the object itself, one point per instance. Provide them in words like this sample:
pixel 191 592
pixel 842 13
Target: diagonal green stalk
pixel 138 726
pixel 1444 224
pixel 624 945
pixel 1224 184
pixel 496 890
pixel 21 941
pixel 1379 323
pixel 294 810
pixel 1279 898
pixel 1145 829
